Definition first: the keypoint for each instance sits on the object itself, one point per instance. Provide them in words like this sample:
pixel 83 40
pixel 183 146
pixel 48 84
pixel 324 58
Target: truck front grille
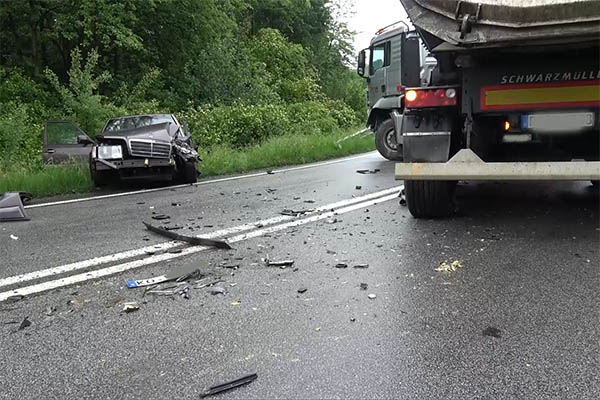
pixel 149 149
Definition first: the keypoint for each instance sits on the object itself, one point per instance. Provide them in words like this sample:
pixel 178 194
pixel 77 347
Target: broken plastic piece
pixel 229 385
pixel 282 264
pixel 493 332
pixel 160 217
pixel 372 296
pixel 296 213
pixel 189 239
pixel 179 274
pixel 341 265
pixel 130 307
pixel 361 266
pixel 11 208
pixel 302 290
pixel 26 323
pixel 367 171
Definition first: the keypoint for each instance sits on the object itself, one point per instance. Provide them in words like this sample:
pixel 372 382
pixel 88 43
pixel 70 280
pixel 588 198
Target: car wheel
pixel 188 173
pixel 386 141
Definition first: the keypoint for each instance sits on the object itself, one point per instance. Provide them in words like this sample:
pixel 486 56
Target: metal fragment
pixel 189 239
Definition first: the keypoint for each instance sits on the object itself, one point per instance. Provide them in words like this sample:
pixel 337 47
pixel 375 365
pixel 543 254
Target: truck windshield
pixel 119 124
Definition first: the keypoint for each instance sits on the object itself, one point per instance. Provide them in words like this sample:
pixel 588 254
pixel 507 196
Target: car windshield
pixel 119 124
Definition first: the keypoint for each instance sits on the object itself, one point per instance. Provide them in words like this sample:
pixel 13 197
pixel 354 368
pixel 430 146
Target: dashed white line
pixel 115 269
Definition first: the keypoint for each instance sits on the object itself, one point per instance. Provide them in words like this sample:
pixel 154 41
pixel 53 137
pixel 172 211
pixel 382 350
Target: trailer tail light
pixel 424 98
pixel 506 126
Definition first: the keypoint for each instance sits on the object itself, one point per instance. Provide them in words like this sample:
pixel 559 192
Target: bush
pixel 242 125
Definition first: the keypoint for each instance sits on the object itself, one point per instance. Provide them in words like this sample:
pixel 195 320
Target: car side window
pixel 62 132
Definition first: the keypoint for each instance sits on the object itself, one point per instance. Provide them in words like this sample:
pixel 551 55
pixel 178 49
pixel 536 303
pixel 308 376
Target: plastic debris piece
pixel 364 286
pixel 11 207
pixel 372 296
pixel 341 265
pixel 362 266
pixel 302 290
pixel 295 213
pixel 281 264
pixel 25 324
pixel 402 197
pixel 13 237
pixel 179 274
pixel 229 385
pixel 236 303
pixel 217 290
pixel 493 332
pixel 160 217
pixel 358 187
pixel 130 307
pixel 189 239
pixel 352 319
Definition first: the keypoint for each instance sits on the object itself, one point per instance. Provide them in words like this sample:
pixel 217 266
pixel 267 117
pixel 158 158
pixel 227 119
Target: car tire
pixel 100 178
pixel 386 141
pixel 430 199
pixel 188 173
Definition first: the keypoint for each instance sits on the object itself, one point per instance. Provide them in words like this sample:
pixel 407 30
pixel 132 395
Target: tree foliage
pixel 88 59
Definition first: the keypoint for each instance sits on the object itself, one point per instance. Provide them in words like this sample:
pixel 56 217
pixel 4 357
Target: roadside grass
pixel 53 180
pixel 49 181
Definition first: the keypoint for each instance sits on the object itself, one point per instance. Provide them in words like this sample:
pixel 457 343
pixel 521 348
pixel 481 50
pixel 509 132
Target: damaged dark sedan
pixel 153 147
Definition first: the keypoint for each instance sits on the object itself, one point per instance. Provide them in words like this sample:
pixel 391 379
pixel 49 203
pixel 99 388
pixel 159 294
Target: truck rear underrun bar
pixel 466 165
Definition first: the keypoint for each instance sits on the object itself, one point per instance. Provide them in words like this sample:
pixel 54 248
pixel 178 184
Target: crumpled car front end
pixel 157 152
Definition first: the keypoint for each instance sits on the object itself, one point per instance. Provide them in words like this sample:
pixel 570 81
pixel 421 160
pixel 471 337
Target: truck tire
pixel 188 173
pixel 385 141
pixel 430 199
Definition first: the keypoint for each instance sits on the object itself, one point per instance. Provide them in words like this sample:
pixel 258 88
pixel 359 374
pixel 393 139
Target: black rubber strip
pixel 229 385
pixel 189 239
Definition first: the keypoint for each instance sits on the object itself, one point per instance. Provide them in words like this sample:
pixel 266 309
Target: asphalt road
pixel 520 319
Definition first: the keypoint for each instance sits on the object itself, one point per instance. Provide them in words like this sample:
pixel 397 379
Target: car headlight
pixel 110 152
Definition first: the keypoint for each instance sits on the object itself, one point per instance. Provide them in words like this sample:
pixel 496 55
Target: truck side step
pixel 466 165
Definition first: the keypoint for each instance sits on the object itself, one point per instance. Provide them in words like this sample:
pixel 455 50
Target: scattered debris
pixel 368 171
pixel 352 319
pixel 302 290
pixel 207 282
pixel 11 206
pixel 160 217
pixel 130 307
pixel 361 266
pixel 229 385
pixel 236 303
pixel 50 311
pixel 296 213
pixel 176 204
pixel 25 324
pixel 297 197
pixel 176 250
pixel 402 197
pixel 177 274
pixel 173 228
pixel 217 290
pixel 331 252
pixel 270 172
pixel 372 296
pixel 282 264
pixel 364 286
pixel 445 267
pixel 309 201
pixel 491 331
pixel 13 237
pixel 341 265
pixel 113 302
pixel 189 239
pixel 358 187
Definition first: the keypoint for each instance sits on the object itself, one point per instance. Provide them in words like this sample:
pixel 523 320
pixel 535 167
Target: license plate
pixel 558 122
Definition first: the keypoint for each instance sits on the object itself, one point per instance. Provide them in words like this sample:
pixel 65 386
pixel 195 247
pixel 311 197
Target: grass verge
pixel 280 151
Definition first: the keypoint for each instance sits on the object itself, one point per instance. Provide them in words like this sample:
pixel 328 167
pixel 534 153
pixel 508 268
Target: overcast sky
pixel 371 15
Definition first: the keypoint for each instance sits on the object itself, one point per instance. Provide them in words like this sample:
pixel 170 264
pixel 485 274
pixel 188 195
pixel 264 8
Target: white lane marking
pixel 115 269
pixel 167 245
pixel 231 178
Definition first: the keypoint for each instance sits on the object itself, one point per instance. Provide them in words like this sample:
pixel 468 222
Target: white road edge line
pixel 231 178
pixel 170 244
pixel 115 269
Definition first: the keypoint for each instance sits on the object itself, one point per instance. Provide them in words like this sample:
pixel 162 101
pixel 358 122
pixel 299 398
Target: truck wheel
pixel 188 173
pixel 385 141
pixel 430 199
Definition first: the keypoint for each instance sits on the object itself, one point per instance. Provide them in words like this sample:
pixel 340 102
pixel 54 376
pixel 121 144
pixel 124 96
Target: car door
pixel 65 141
pixel 379 62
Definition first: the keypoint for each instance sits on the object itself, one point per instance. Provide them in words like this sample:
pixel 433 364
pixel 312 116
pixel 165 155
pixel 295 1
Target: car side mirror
pixel 361 63
pixel 84 140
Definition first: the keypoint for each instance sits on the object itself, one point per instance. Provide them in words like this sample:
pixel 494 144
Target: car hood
pixel 158 132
